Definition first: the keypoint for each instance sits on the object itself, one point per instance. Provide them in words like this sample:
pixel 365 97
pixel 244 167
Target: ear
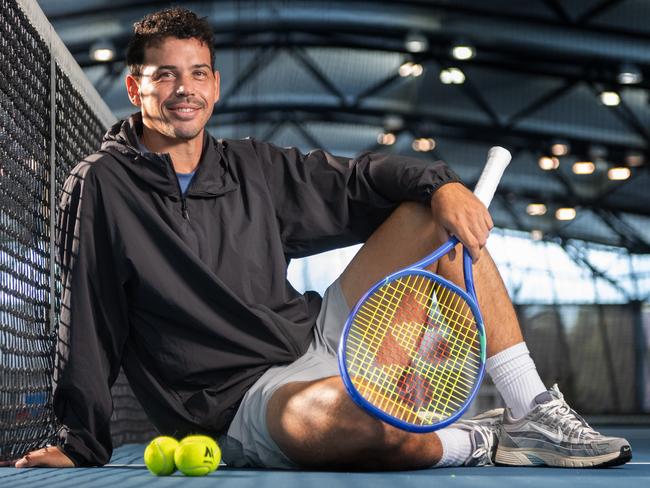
pixel 217 86
pixel 133 89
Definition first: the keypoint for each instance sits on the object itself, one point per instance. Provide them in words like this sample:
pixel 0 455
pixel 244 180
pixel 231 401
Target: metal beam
pixel 557 8
pixel 597 10
pixel 578 255
pixel 539 103
pixel 446 125
pixel 261 59
pixel 310 65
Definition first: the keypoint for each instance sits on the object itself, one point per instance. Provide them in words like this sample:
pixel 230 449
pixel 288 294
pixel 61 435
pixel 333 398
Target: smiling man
pixel 174 249
pixel 176 100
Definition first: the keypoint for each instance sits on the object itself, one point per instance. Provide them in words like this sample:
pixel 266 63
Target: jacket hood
pixel 213 176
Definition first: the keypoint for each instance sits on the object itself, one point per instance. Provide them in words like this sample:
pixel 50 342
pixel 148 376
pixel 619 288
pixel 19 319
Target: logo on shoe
pixel 554 435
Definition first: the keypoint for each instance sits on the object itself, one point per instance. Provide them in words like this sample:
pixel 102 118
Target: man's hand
pixel 47 457
pixel 463 215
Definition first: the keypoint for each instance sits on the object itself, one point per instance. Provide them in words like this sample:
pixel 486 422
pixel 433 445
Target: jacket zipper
pixel 184 212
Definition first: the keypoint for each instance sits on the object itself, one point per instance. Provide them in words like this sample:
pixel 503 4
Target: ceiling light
pixel 629 75
pixel 619 173
pixel 610 98
pixel 634 159
pixel 536 209
pixel 423 144
pixel 583 167
pixel 452 76
pixel 406 69
pixel 416 43
pixel 560 149
pixel 566 213
pixel 463 52
pixel 102 51
pixel 547 163
pixel 386 139
pixel 410 69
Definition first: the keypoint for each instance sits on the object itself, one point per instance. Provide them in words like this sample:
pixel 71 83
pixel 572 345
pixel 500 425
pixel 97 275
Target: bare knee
pixel 408 234
pixel 317 424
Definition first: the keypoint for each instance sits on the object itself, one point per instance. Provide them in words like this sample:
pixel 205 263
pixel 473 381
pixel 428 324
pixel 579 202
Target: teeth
pixel 184 109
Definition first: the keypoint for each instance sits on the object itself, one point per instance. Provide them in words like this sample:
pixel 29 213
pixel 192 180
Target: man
pixel 174 248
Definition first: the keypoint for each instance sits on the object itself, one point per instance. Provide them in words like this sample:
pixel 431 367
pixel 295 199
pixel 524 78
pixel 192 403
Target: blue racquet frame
pixel 469 297
pixel 498 159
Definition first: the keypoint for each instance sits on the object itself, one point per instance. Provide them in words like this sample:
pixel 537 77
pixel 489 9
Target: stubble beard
pixel 186 134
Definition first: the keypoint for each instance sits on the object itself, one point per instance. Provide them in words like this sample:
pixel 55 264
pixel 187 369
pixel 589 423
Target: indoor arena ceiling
pixel 545 76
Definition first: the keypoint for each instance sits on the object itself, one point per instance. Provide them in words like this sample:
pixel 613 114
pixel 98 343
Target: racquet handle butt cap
pixel 501 154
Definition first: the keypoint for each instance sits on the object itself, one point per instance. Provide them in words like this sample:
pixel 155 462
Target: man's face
pixel 177 89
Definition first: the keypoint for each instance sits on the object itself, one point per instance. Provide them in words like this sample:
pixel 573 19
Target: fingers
pixel 473 233
pixel 462 214
pixel 24 462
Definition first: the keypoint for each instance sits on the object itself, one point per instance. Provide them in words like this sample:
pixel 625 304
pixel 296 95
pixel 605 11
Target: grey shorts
pixel 248 442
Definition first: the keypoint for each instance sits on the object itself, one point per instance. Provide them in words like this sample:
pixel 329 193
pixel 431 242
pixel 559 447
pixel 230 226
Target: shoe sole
pixel 536 457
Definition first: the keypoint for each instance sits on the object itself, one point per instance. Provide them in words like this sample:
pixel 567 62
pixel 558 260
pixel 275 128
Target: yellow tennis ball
pixel 199 438
pixel 159 455
pixel 197 455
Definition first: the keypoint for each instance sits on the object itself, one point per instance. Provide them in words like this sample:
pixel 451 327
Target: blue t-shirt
pixel 184 179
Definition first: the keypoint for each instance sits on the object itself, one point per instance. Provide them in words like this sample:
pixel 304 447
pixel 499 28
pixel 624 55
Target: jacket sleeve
pixel 92 324
pixel 324 201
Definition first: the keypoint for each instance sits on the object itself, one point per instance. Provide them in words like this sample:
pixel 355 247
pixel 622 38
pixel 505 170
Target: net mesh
pixel 592 351
pixel 27 328
pixel 414 350
pixel 26 335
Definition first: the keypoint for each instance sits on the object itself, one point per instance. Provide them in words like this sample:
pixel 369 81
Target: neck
pixel 184 153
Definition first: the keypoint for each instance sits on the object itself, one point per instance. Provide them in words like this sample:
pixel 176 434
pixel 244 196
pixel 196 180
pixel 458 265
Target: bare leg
pixel 316 423
pixel 408 235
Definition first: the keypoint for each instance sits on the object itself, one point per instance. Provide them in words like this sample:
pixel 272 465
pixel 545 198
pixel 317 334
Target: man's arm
pixel 93 327
pixel 324 201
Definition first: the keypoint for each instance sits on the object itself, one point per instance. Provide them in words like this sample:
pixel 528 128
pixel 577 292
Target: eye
pixel 164 75
pixel 200 74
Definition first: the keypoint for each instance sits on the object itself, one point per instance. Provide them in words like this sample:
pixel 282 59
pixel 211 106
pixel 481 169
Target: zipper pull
pixel 184 211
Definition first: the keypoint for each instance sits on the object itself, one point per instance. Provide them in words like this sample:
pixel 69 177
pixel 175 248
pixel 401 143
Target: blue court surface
pixel 127 470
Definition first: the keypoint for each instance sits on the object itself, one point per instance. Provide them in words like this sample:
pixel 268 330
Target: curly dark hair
pixel 171 22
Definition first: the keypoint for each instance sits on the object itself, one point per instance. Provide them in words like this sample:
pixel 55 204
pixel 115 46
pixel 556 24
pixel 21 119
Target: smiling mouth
pixel 184 113
pixel 184 110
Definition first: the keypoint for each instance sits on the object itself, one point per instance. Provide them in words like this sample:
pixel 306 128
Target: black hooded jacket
pixel 189 293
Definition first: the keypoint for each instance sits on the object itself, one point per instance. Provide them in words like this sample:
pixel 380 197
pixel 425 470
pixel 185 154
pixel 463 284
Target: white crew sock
pixel 516 378
pixel 456 447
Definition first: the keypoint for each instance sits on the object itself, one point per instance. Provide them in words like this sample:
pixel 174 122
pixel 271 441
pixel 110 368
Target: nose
pixel 185 86
pixel 184 90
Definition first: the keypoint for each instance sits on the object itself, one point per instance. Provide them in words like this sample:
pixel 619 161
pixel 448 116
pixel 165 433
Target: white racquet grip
pixel 497 161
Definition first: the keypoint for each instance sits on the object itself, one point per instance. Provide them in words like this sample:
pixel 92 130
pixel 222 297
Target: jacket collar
pixel 213 175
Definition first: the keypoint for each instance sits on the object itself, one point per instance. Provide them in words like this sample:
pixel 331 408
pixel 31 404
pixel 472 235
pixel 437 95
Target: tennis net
pixel 50 118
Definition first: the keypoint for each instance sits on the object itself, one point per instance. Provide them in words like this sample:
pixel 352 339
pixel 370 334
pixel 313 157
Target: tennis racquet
pixel 413 349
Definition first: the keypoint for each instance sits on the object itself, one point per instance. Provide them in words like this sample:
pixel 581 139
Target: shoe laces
pixel 568 420
pixel 486 446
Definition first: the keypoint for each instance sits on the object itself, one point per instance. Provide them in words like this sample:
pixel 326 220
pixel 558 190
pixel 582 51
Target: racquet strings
pixel 414 350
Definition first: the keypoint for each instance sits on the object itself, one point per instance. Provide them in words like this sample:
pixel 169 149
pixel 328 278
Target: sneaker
pixel 483 430
pixel 552 434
